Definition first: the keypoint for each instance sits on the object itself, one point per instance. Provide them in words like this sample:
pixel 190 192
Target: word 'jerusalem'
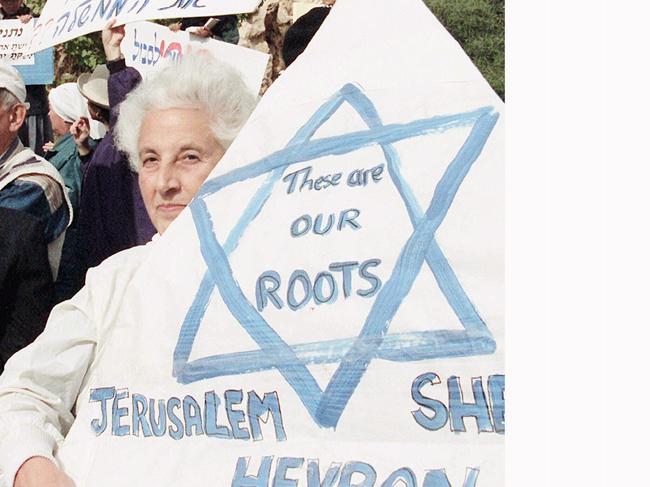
pixel 302 179
pixel 292 471
pixel 269 282
pixel 178 418
pixel 434 414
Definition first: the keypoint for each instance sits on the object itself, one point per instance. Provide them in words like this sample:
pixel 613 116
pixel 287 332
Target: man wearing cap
pixel 28 182
pixel 36 130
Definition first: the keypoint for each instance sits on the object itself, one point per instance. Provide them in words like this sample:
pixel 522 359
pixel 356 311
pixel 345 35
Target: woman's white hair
pixel 198 82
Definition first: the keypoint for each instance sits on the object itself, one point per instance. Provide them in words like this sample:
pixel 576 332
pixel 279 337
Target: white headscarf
pixel 70 105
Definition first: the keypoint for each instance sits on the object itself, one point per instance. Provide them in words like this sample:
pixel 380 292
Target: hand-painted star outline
pixel 353 354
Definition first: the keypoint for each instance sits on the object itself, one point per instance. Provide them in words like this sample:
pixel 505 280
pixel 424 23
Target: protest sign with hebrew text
pixel 62 20
pixel 146 45
pixel 14 42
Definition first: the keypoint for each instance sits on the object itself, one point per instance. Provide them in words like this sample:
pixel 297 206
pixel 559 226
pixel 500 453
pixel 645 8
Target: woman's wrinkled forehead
pixel 174 128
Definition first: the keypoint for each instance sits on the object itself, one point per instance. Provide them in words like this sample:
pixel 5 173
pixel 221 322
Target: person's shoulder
pixel 39 171
pixel 63 155
pixel 29 191
pixel 42 198
pixel 30 187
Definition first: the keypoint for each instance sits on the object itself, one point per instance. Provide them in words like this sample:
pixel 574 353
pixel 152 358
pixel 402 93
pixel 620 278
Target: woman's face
pixel 177 151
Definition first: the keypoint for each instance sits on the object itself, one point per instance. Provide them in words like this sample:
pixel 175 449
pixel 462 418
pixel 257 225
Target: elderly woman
pixel 175 127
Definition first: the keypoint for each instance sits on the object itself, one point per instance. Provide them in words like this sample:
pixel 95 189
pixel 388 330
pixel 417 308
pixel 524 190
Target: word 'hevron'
pixel 489 417
pixel 150 417
pixel 350 474
pixel 268 284
pixel 301 179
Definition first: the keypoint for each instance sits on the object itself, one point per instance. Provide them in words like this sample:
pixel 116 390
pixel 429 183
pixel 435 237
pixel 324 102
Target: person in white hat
pixel 94 88
pixel 28 182
pixel 69 107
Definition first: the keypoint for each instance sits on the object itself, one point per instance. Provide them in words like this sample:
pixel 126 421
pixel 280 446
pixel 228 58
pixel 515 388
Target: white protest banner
pixel 14 42
pixel 329 309
pixel 146 44
pixel 62 20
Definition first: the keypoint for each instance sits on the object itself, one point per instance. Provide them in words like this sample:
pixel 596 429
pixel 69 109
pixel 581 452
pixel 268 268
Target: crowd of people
pixel 80 214
pixel 76 200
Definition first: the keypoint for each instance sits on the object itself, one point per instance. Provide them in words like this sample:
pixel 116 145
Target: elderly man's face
pixel 11 6
pixel 178 151
pixel 59 126
pixel 11 118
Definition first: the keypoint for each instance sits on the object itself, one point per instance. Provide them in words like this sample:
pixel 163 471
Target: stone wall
pixel 264 30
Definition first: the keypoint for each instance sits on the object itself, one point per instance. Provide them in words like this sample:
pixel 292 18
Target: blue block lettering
pixel 313 474
pixel 210 413
pixel 262 407
pixel 350 468
pixel 102 394
pixel 458 409
pixel 118 413
pixel 139 413
pixel 439 417
pixel 263 292
pixel 404 477
pixel 240 479
pixel 285 463
pixel 176 428
pixel 192 416
pixel 298 275
pixel 159 426
pixel 235 416
pixel 496 387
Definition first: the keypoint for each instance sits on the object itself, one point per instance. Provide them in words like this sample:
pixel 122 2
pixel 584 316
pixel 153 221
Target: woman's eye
pixel 191 157
pixel 149 161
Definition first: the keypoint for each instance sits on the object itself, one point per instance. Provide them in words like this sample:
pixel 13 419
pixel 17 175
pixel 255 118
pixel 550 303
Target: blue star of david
pixel 353 354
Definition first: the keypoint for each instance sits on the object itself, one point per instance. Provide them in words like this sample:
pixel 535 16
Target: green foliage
pixel 77 56
pixel 479 27
pixel 35 5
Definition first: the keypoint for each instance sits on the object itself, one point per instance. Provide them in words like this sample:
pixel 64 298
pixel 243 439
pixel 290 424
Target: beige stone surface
pixel 264 30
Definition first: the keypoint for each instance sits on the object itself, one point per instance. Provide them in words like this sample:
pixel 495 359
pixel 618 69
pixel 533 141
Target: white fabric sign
pixel 147 44
pixel 62 20
pixel 14 42
pixel 329 310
